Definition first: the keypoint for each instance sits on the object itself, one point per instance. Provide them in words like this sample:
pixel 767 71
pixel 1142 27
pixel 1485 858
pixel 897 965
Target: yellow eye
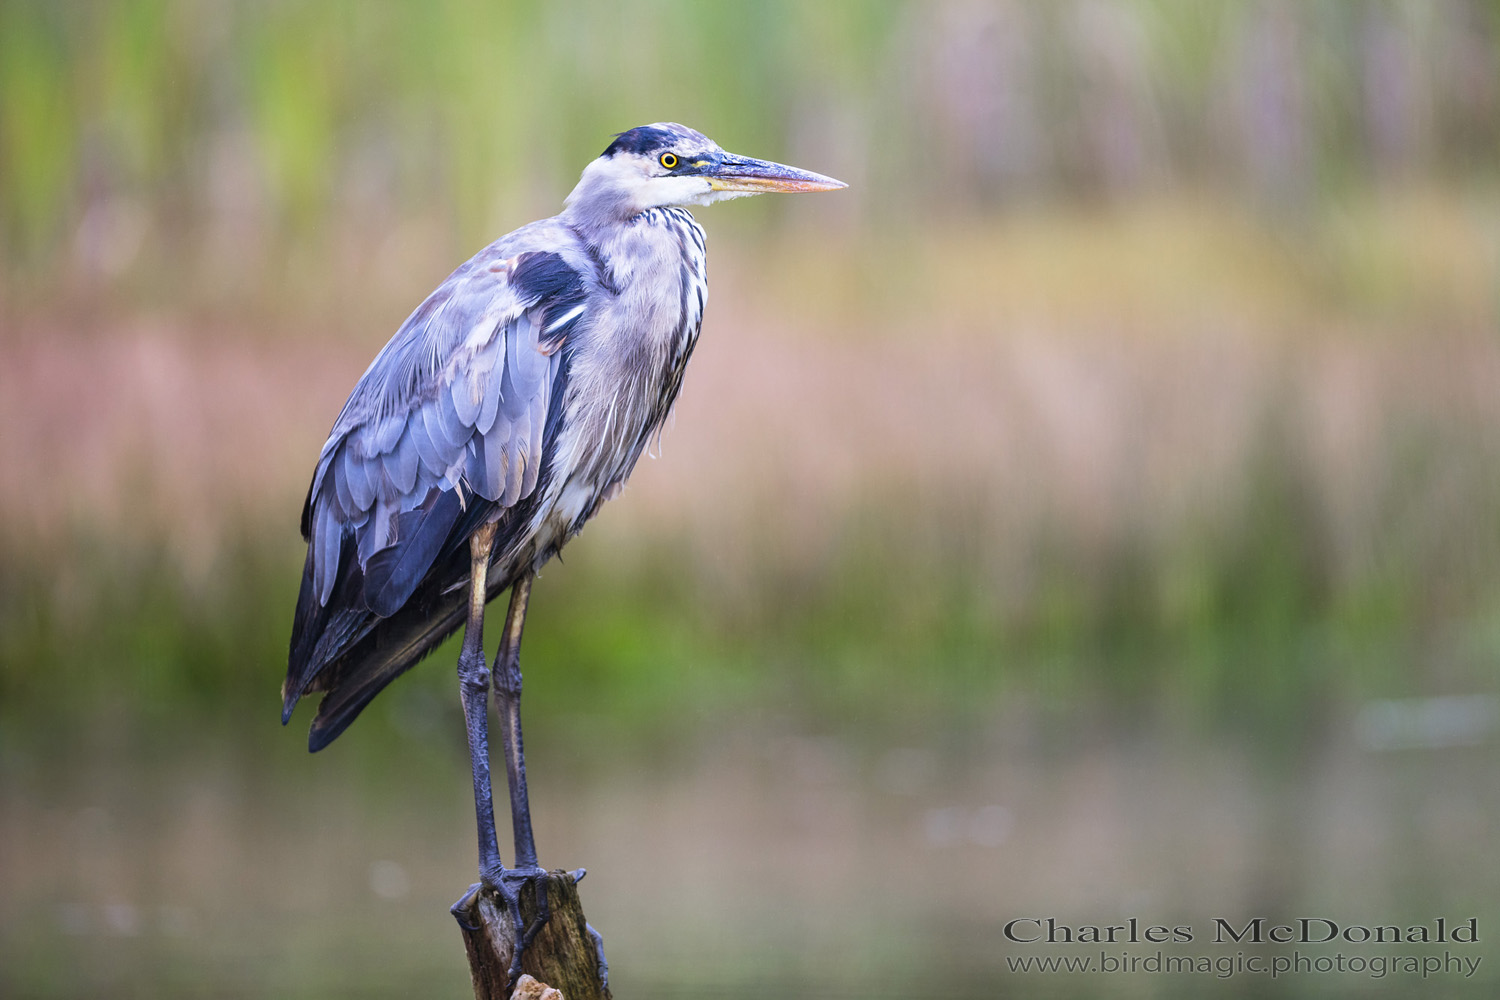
pixel 669 160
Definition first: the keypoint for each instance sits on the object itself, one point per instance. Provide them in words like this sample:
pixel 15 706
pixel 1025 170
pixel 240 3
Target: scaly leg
pixel 475 687
pixel 473 690
pixel 508 703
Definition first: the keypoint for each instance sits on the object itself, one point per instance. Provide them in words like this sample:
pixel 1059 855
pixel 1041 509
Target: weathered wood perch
pixel 564 954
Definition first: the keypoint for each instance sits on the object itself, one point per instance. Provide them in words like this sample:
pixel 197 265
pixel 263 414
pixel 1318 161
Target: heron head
pixel 654 166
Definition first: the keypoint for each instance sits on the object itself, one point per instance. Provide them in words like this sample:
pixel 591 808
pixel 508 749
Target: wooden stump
pixel 562 956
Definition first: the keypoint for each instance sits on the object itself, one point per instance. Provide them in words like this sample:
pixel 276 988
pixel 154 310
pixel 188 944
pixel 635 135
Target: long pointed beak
pixel 741 173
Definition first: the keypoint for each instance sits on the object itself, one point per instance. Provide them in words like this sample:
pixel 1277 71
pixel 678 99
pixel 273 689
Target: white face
pixel 644 183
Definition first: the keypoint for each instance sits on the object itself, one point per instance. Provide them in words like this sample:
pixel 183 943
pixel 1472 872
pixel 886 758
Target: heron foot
pixel 460 909
pixel 509 884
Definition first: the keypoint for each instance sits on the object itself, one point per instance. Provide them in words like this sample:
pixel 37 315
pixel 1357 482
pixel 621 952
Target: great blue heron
pixel 509 406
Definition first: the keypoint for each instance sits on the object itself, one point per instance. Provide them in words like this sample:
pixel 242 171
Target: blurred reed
pixel 211 136
pixel 1257 495
pixel 1156 329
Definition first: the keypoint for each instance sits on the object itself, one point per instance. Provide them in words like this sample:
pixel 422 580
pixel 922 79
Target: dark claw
pixel 460 909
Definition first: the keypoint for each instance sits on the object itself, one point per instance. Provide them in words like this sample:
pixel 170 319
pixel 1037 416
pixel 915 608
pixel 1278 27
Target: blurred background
pixel 1091 513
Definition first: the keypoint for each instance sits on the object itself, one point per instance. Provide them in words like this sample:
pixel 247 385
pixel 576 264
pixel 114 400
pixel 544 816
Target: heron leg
pixel 474 681
pixel 473 690
pixel 507 681
pixel 508 703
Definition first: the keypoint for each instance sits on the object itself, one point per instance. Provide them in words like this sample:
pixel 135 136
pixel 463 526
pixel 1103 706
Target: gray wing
pixel 454 404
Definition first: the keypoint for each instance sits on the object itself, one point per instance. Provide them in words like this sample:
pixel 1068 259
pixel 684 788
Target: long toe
pixel 465 906
pixel 512 884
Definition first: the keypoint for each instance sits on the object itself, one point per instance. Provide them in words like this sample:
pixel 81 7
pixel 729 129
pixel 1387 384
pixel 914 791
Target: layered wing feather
pixel 444 426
